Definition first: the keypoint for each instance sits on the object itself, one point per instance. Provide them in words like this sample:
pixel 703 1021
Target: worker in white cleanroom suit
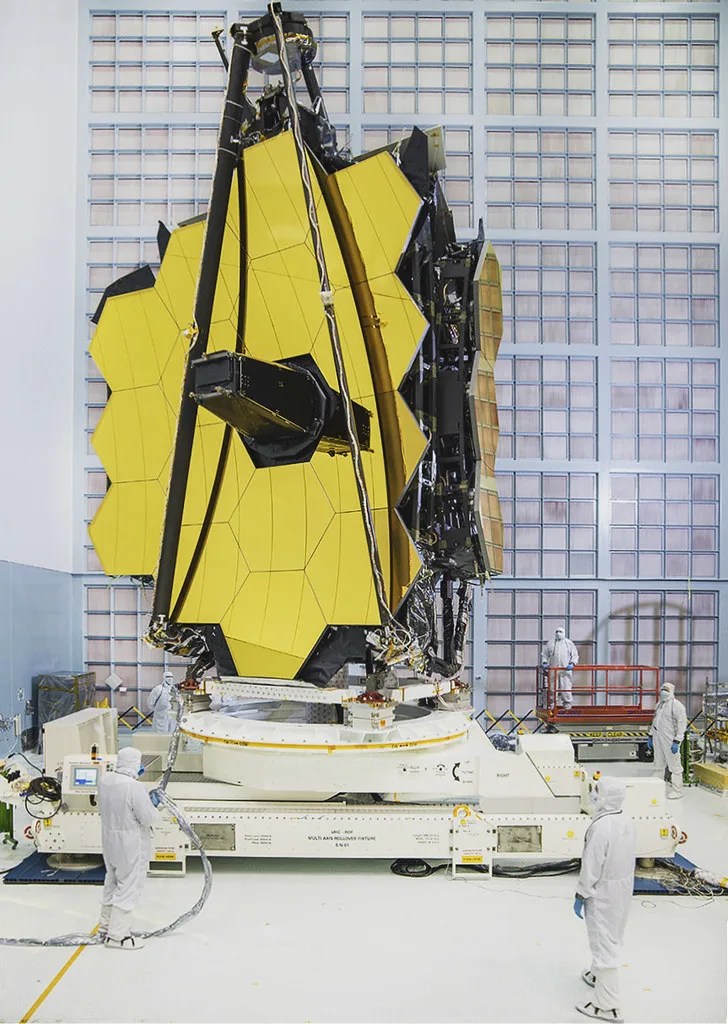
pixel 603 895
pixel 561 653
pixel 666 734
pixel 127 812
pixel 164 718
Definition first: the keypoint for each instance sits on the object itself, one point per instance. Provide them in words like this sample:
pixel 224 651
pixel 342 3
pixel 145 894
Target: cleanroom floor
pixel 342 941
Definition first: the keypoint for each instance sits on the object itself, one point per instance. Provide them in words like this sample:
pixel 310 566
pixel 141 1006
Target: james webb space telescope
pixel 302 405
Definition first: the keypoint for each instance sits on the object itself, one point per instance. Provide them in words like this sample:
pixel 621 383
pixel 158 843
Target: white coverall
pixel 126 816
pixel 668 726
pixel 558 653
pixel 164 718
pixel 605 884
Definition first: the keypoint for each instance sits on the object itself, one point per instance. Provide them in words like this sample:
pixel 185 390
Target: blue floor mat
pixel 34 870
pixel 651 887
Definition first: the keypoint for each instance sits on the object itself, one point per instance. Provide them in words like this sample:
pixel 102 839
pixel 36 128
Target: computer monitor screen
pixel 85 777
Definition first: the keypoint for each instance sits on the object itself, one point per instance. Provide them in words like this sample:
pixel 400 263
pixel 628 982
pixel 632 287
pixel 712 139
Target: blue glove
pixel 579 906
pixel 155 797
pixel 675 746
pixel 570 666
pixel 649 743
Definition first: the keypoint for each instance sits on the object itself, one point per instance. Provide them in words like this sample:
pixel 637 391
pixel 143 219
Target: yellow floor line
pixel 52 984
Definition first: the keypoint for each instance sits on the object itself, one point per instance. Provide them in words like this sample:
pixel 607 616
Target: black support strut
pixel 228 155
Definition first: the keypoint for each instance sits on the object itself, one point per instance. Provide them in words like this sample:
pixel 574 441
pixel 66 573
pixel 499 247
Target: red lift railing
pixel 599 693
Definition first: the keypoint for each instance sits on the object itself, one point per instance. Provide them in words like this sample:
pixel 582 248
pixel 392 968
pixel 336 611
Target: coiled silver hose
pixel 84 939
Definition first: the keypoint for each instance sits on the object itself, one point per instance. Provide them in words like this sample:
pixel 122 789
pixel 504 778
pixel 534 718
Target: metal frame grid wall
pixel 643 566
pixel 587 135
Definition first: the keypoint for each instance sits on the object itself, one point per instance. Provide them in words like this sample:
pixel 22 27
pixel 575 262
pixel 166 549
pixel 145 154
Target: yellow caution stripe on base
pixel 329 747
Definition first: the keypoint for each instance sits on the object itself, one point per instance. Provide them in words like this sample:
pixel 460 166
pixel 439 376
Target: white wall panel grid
pixel 588 134
pixel 665 410
pixel 417 64
pixel 155 62
pixel 664 526
pixel 550 524
pixel 549 292
pixel 675 629
pixel 653 230
pixel 116 617
pixel 664 294
pixel 540 178
pixel 663 66
pixel 663 181
pixel 539 65
pixel 140 174
pixel 547 407
pixel 520 621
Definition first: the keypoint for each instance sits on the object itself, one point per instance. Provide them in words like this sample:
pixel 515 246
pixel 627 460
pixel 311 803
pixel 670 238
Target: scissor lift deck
pixel 612 704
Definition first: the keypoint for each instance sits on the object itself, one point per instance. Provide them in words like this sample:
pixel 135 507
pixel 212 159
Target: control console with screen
pixel 85 778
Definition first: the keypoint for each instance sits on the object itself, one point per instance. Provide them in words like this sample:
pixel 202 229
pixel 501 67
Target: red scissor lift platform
pixel 611 703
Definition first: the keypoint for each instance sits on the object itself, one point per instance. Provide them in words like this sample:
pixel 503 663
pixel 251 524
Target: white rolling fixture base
pixel 429 786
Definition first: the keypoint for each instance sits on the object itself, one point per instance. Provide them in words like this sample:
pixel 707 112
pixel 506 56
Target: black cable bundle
pixel 563 867
pixel 414 868
pixel 44 789
pixel 421 869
